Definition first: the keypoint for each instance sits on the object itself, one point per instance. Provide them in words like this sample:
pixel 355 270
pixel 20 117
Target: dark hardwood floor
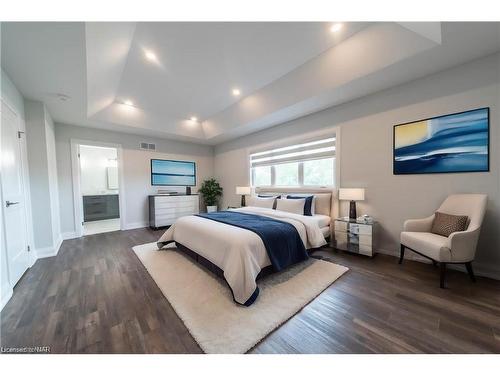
pixel 96 297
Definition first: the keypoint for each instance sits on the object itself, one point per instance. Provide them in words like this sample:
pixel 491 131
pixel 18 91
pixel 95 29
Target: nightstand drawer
pixel 341 226
pixel 360 228
pixel 353 238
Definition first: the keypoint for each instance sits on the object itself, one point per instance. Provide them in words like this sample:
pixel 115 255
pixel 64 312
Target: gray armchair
pixel 458 247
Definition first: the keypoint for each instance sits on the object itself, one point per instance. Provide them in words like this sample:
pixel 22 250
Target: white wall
pixel 366 152
pixel 136 167
pixel 94 162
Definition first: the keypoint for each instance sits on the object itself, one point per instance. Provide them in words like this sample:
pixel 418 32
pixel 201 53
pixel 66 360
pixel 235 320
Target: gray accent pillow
pixel 445 224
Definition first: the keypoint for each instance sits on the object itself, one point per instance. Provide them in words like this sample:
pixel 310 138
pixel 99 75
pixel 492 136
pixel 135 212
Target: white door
pixel 13 197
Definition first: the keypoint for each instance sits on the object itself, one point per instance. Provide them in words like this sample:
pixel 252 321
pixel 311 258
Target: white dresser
pixel 164 210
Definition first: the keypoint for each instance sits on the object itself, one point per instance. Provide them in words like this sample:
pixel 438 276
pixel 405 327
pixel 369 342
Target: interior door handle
pixel 9 203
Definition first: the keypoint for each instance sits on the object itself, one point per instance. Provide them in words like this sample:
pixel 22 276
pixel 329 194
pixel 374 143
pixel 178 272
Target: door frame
pixel 77 189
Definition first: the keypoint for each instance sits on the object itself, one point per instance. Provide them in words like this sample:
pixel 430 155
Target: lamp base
pixel 352 210
pixel 243 203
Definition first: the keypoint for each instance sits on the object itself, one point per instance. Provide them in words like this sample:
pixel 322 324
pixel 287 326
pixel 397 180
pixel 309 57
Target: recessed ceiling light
pixel 193 118
pixel 128 102
pixel 335 27
pixel 150 56
pixel 236 92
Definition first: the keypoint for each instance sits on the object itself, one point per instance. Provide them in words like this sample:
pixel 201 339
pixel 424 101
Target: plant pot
pixel 211 208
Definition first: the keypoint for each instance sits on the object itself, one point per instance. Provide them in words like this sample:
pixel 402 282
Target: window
pixel 319 172
pixel 261 176
pixel 287 174
pixel 305 164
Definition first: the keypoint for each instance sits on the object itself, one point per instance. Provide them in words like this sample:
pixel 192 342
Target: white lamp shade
pixel 243 190
pixel 352 194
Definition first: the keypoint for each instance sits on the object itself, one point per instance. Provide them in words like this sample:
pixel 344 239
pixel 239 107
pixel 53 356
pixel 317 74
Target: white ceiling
pixel 284 70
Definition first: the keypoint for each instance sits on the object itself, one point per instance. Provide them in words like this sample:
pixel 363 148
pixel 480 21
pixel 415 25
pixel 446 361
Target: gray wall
pixel 43 181
pixel 50 140
pixel 136 164
pixel 366 152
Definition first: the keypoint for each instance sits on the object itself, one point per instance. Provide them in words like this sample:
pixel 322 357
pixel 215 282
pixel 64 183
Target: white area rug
pixel 205 304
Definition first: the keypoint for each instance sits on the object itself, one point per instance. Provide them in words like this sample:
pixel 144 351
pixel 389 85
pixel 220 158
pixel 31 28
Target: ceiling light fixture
pixel 335 27
pixel 150 56
pixel 236 92
pixel 194 119
pixel 128 102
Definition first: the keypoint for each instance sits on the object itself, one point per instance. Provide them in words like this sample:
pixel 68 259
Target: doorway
pixel 98 188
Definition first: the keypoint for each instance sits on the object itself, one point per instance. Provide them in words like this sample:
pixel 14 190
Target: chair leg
pixel 434 263
pixel 442 274
pixel 401 253
pixel 468 265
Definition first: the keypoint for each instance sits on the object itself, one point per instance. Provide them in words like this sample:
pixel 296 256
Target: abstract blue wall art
pixel 173 173
pixel 452 143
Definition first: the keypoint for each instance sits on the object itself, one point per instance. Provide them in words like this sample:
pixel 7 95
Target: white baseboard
pixel 486 270
pixel 129 226
pixel 481 269
pixel 6 297
pixel 69 235
pixel 49 251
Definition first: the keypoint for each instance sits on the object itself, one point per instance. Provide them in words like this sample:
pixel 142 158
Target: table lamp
pixel 243 190
pixel 352 195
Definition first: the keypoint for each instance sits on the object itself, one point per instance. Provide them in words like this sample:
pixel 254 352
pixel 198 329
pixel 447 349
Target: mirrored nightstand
pixel 355 237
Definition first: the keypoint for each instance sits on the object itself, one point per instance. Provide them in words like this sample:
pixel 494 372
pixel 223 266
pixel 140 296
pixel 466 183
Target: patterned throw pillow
pixel 445 224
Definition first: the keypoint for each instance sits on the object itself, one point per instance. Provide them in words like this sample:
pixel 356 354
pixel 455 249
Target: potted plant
pixel 211 192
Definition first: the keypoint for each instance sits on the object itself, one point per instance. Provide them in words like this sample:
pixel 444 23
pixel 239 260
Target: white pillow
pixel 313 202
pixel 261 202
pixel 294 206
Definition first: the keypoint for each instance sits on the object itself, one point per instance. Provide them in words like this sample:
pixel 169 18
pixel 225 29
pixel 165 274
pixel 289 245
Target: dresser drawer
pixel 174 199
pixel 175 210
pixel 169 205
pixel 174 214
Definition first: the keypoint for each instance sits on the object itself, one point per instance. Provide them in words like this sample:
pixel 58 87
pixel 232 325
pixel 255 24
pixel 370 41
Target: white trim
pixel 480 269
pixel 77 194
pixel 6 298
pixel 142 224
pixel 49 251
pixel 68 235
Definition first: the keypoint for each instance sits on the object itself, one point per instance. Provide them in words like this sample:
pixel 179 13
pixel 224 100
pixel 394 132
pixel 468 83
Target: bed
pixel 237 244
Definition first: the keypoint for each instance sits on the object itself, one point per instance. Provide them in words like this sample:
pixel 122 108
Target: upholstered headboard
pixel 326 202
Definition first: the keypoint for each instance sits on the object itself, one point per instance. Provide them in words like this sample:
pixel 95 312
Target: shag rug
pixel 204 302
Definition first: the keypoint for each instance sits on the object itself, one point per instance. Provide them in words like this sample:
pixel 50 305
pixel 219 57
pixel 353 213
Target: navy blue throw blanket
pixel 282 241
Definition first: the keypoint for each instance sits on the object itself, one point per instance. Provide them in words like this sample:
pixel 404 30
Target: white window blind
pixel 320 149
pixel 311 163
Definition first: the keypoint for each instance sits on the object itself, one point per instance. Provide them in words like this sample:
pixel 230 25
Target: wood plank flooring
pixel 96 297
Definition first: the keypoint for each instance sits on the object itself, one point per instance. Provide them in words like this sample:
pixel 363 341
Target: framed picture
pixel 458 142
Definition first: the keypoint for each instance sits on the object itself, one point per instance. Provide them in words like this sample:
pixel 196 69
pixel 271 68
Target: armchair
pixel 459 247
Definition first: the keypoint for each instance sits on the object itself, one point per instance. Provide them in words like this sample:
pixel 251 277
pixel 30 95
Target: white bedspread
pixel 240 253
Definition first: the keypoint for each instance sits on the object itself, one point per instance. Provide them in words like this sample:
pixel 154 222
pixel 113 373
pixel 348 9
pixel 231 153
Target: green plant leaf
pixel 211 191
